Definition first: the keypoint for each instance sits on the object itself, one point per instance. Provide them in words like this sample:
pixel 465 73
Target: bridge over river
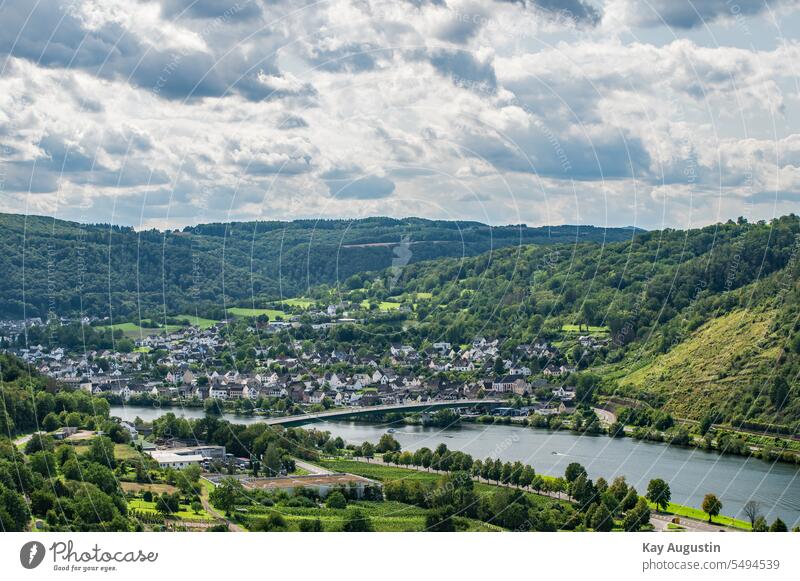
pixel 380 409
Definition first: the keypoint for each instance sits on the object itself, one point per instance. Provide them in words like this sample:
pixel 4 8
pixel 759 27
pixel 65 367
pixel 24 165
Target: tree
pixel 14 514
pixel 778 526
pixel 272 460
pixel 658 493
pixel 706 422
pixel 602 521
pixel 387 443
pixel 616 430
pixel 760 525
pixel 308 525
pixel 336 500
pixel 583 490
pixel 711 505
pixel 573 471
pixel 440 520
pixel 188 479
pixel 499 367
pixel 357 522
pixel 168 503
pixel 226 494
pixel 367 450
pixel 101 451
pixel 637 517
pixel 751 510
pixel 44 463
pixel 779 392
pixel 527 476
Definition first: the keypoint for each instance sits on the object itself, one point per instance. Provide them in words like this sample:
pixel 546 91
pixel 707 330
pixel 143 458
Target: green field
pixel 385 306
pixel 125 452
pixel 298 302
pixel 197 321
pixel 245 312
pixel 386 516
pixel 385 473
pixel 134 331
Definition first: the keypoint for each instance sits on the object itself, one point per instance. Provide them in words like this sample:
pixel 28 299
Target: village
pixel 187 366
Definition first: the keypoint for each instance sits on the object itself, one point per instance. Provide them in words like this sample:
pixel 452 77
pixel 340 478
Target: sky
pixel 167 113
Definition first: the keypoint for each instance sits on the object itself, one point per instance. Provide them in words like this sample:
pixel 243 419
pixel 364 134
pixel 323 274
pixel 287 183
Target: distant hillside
pixel 64 267
pixel 695 320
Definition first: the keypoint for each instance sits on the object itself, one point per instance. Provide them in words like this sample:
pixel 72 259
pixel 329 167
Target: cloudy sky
pixel 658 113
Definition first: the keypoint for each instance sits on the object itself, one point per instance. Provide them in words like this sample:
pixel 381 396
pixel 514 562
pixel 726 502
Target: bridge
pixel 434 405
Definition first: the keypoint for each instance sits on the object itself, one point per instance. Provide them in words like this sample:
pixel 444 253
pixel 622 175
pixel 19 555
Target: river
pixel 691 472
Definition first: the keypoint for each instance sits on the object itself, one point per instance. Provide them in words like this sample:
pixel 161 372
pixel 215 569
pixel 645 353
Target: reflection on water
pixel 691 473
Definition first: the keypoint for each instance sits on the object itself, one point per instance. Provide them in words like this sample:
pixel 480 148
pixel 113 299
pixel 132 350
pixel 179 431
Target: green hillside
pixel 730 357
pixel 110 270
pixel 695 320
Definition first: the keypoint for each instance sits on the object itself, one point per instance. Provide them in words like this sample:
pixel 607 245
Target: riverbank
pixel 691 519
pixel 691 472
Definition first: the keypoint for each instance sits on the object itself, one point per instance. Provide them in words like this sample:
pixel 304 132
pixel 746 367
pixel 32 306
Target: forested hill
pixel 64 267
pixel 698 319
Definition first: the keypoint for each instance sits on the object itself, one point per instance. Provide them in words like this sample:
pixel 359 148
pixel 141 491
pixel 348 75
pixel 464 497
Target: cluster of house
pixel 402 374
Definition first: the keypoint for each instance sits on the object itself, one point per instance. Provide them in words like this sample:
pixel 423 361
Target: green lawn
pixel 697 514
pixel 245 312
pixel 424 296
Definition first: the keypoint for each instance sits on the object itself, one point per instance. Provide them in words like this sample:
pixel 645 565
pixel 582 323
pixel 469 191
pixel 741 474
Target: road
pixel 606 417
pixel 311 468
pixel 363 410
pixel 661 521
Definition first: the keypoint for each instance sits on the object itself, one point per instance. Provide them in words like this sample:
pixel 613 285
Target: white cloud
pixel 494 111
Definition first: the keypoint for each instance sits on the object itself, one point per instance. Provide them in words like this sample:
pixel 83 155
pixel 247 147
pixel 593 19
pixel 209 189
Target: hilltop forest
pixel 66 268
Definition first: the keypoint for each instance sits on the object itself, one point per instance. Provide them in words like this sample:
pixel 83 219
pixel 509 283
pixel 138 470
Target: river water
pixel 691 473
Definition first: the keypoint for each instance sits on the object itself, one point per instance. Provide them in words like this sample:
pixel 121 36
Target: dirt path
pixel 216 514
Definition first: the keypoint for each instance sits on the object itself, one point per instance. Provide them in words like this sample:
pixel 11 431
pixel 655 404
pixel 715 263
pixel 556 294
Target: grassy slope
pixel 198 321
pixel 134 331
pixel 712 365
pixel 245 312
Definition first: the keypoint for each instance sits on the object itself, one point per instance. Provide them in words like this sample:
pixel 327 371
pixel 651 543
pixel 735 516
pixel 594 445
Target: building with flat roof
pixel 180 458
pixel 169 459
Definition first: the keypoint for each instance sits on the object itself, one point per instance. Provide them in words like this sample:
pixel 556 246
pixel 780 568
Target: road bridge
pixel 427 406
